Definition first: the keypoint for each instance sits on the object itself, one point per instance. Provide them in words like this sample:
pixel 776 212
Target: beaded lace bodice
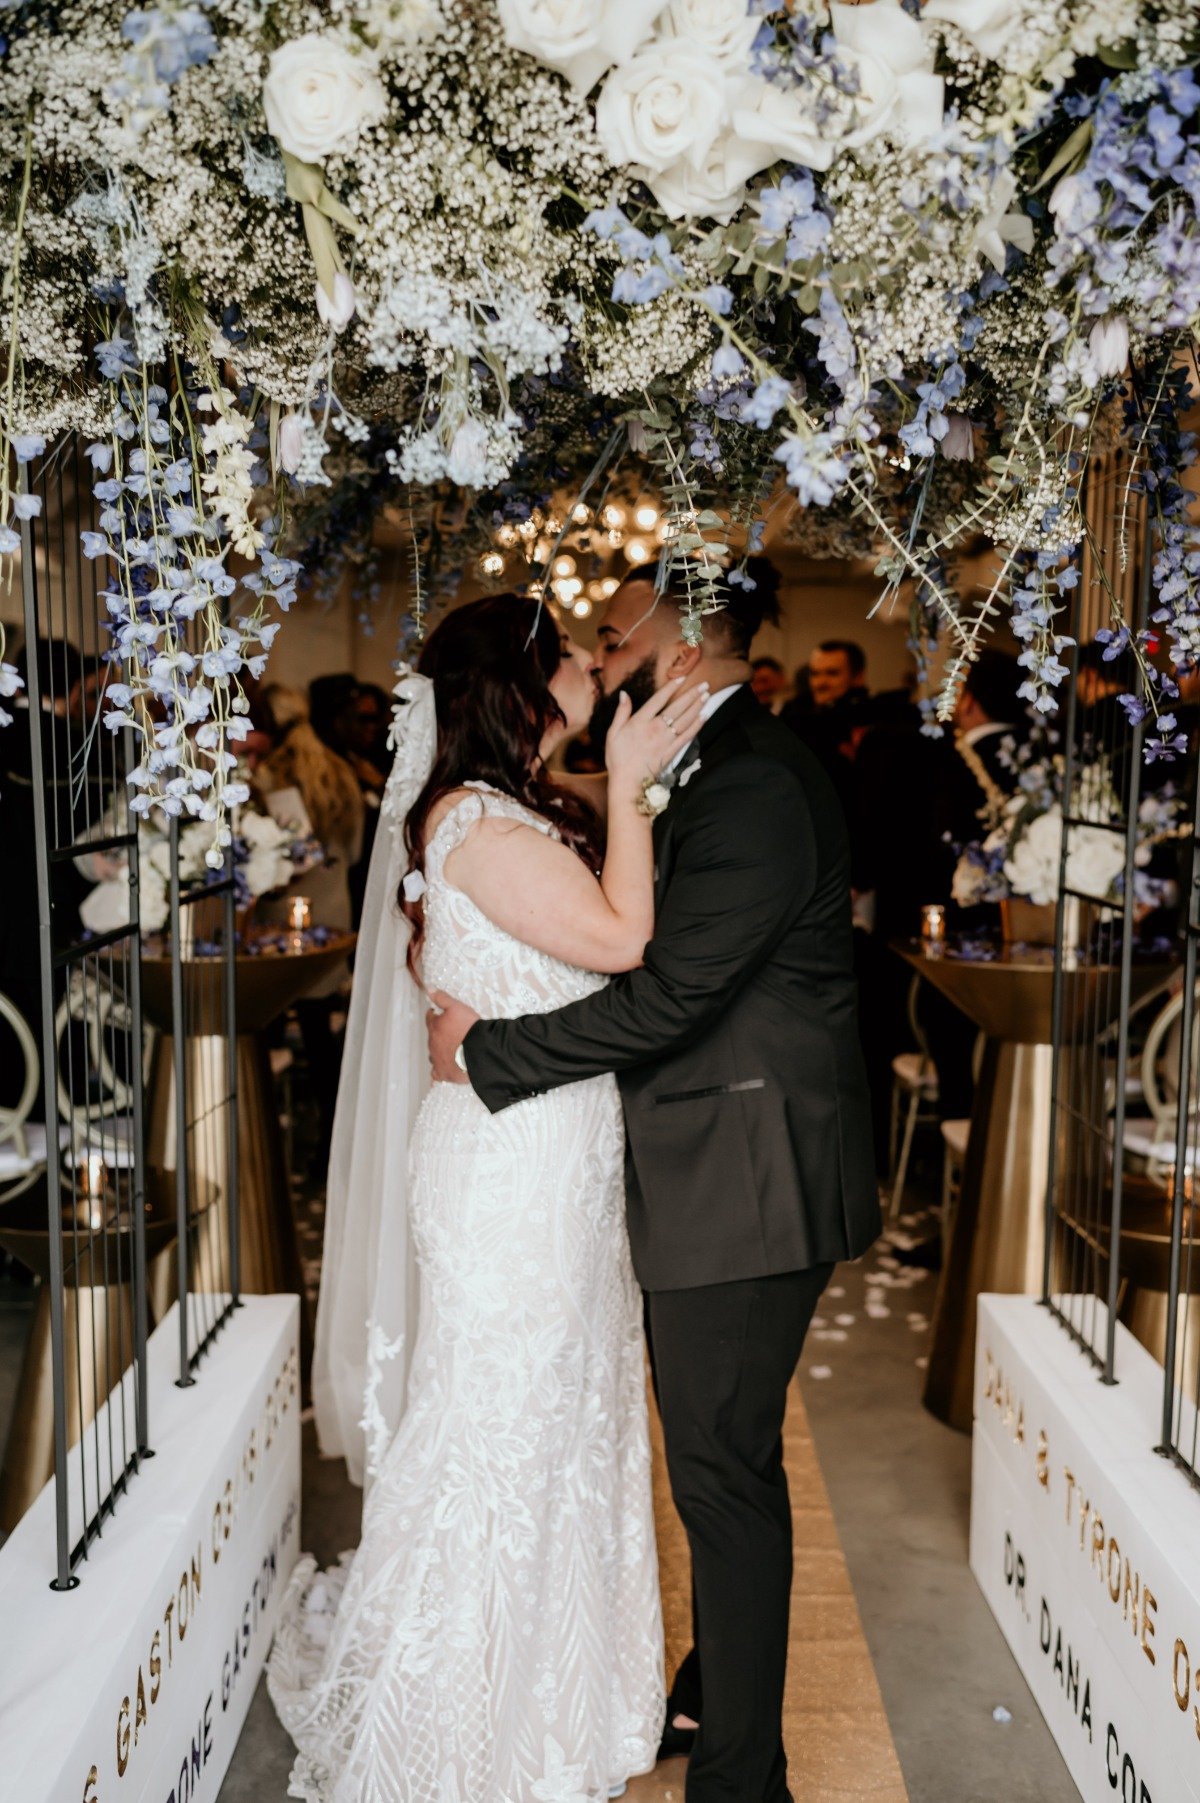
pixel 465 953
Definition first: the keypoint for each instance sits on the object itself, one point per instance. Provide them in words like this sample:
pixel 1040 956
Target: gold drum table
pixel 997 1240
pixel 267 983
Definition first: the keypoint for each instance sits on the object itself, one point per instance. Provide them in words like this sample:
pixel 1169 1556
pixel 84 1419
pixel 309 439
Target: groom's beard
pixel 639 685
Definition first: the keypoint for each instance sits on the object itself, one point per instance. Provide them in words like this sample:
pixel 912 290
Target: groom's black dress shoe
pixel 676 1743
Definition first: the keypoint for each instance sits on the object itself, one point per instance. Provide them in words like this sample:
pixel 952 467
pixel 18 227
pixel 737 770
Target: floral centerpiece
pixel 909 260
pixel 267 854
pixel 1019 854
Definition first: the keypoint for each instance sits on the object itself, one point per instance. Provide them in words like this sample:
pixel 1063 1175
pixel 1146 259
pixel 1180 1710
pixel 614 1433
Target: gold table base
pixel 268 1253
pixel 97 1327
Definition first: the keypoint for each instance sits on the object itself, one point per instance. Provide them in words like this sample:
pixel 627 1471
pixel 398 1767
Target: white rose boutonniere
pixel 318 96
pixel 656 793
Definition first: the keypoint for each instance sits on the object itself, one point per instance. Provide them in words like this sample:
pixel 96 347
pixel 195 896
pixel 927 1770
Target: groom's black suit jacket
pixel 736 1043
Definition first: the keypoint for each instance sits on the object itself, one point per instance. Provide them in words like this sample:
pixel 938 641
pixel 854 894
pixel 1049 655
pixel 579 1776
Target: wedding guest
pixel 826 720
pixel 332 798
pixel 768 680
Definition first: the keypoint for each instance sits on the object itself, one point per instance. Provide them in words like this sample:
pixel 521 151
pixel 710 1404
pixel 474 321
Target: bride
pixel 497 1636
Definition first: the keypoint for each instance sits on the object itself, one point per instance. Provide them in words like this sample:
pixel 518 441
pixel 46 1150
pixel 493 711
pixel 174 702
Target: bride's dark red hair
pixel 491 663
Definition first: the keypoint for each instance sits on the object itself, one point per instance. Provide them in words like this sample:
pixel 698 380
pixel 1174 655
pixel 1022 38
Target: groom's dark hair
pixel 749 595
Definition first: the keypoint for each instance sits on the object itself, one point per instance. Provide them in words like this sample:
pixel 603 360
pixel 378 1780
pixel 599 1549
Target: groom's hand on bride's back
pixel 448 1022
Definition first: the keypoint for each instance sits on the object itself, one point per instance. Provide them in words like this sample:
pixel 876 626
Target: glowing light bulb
pixel 608 586
pixel 637 551
pixel 564 566
pixel 491 564
pixel 646 517
pixel 612 516
pixel 507 536
pixel 581 513
pixel 581 608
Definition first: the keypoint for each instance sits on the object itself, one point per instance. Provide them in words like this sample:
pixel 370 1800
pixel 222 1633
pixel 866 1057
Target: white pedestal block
pixel 133 1687
pixel 1086 1544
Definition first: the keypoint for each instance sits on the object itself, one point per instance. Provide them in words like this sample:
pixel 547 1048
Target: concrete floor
pixel 900 1485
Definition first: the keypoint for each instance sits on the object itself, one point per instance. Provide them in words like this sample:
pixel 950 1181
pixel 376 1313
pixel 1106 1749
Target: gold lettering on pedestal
pixel 155 1664
pixel 1129 1598
pixel 1149 1606
pixel 1182 1688
pixel 122 1737
pixel 1097 1545
pixel 1043 1460
pixel 1114 1569
pixel 89 1786
pixel 139 1712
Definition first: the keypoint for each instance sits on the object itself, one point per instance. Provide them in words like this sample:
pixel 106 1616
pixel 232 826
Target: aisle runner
pixel 838 1742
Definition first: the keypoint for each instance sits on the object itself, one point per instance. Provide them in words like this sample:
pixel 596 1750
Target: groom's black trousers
pixel 723 1357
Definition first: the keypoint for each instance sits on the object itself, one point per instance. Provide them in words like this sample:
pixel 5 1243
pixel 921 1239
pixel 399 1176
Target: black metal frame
pixel 108 966
pixel 1081 1120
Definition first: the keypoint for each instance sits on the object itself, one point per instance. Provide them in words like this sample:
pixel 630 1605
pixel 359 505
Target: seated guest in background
pixel 333 801
pixel 768 680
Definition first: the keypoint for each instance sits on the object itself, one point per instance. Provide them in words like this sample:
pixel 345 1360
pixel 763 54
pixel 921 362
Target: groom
pixel 749 1168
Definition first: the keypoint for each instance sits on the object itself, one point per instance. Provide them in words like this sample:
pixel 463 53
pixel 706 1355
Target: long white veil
pixel 367 1309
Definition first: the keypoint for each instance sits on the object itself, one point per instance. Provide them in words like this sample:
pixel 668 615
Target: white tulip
pixel 318 96
pixel 582 38
pixel 892 55
pixel 1000 227
pixel 1108 342
pixel 957 443
pixel 340 310
pixel 725 29
pixel 293 430
pixel 466 460
pixel 666 104
pixel 766 115
pixel 986 24
pixel 1063 196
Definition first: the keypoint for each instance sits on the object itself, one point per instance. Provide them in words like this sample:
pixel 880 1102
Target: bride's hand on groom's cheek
pixel 448 1022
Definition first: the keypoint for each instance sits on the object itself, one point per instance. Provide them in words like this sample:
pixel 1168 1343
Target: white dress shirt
pixel 706 713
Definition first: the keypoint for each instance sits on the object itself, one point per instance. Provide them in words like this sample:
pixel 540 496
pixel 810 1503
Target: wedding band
pixel 669 721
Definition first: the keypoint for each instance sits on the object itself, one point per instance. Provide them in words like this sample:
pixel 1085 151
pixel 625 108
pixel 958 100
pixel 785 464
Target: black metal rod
pixel 179 1047
pixel 138 1174
pixel 58 1367
pixel 231 1103
pixel 1059 973
pixel 1131 846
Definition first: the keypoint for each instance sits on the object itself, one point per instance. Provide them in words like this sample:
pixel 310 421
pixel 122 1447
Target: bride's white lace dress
pixel 497 1636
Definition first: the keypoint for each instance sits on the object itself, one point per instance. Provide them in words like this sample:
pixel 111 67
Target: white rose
pixel 726 29
pixel 1095 859
pixel 1032 865
pixel 583 38
pixel 668 102
pixel 987 24
pixel 318 96
pixel 767 115
pixel 892 55
pixel 717 188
